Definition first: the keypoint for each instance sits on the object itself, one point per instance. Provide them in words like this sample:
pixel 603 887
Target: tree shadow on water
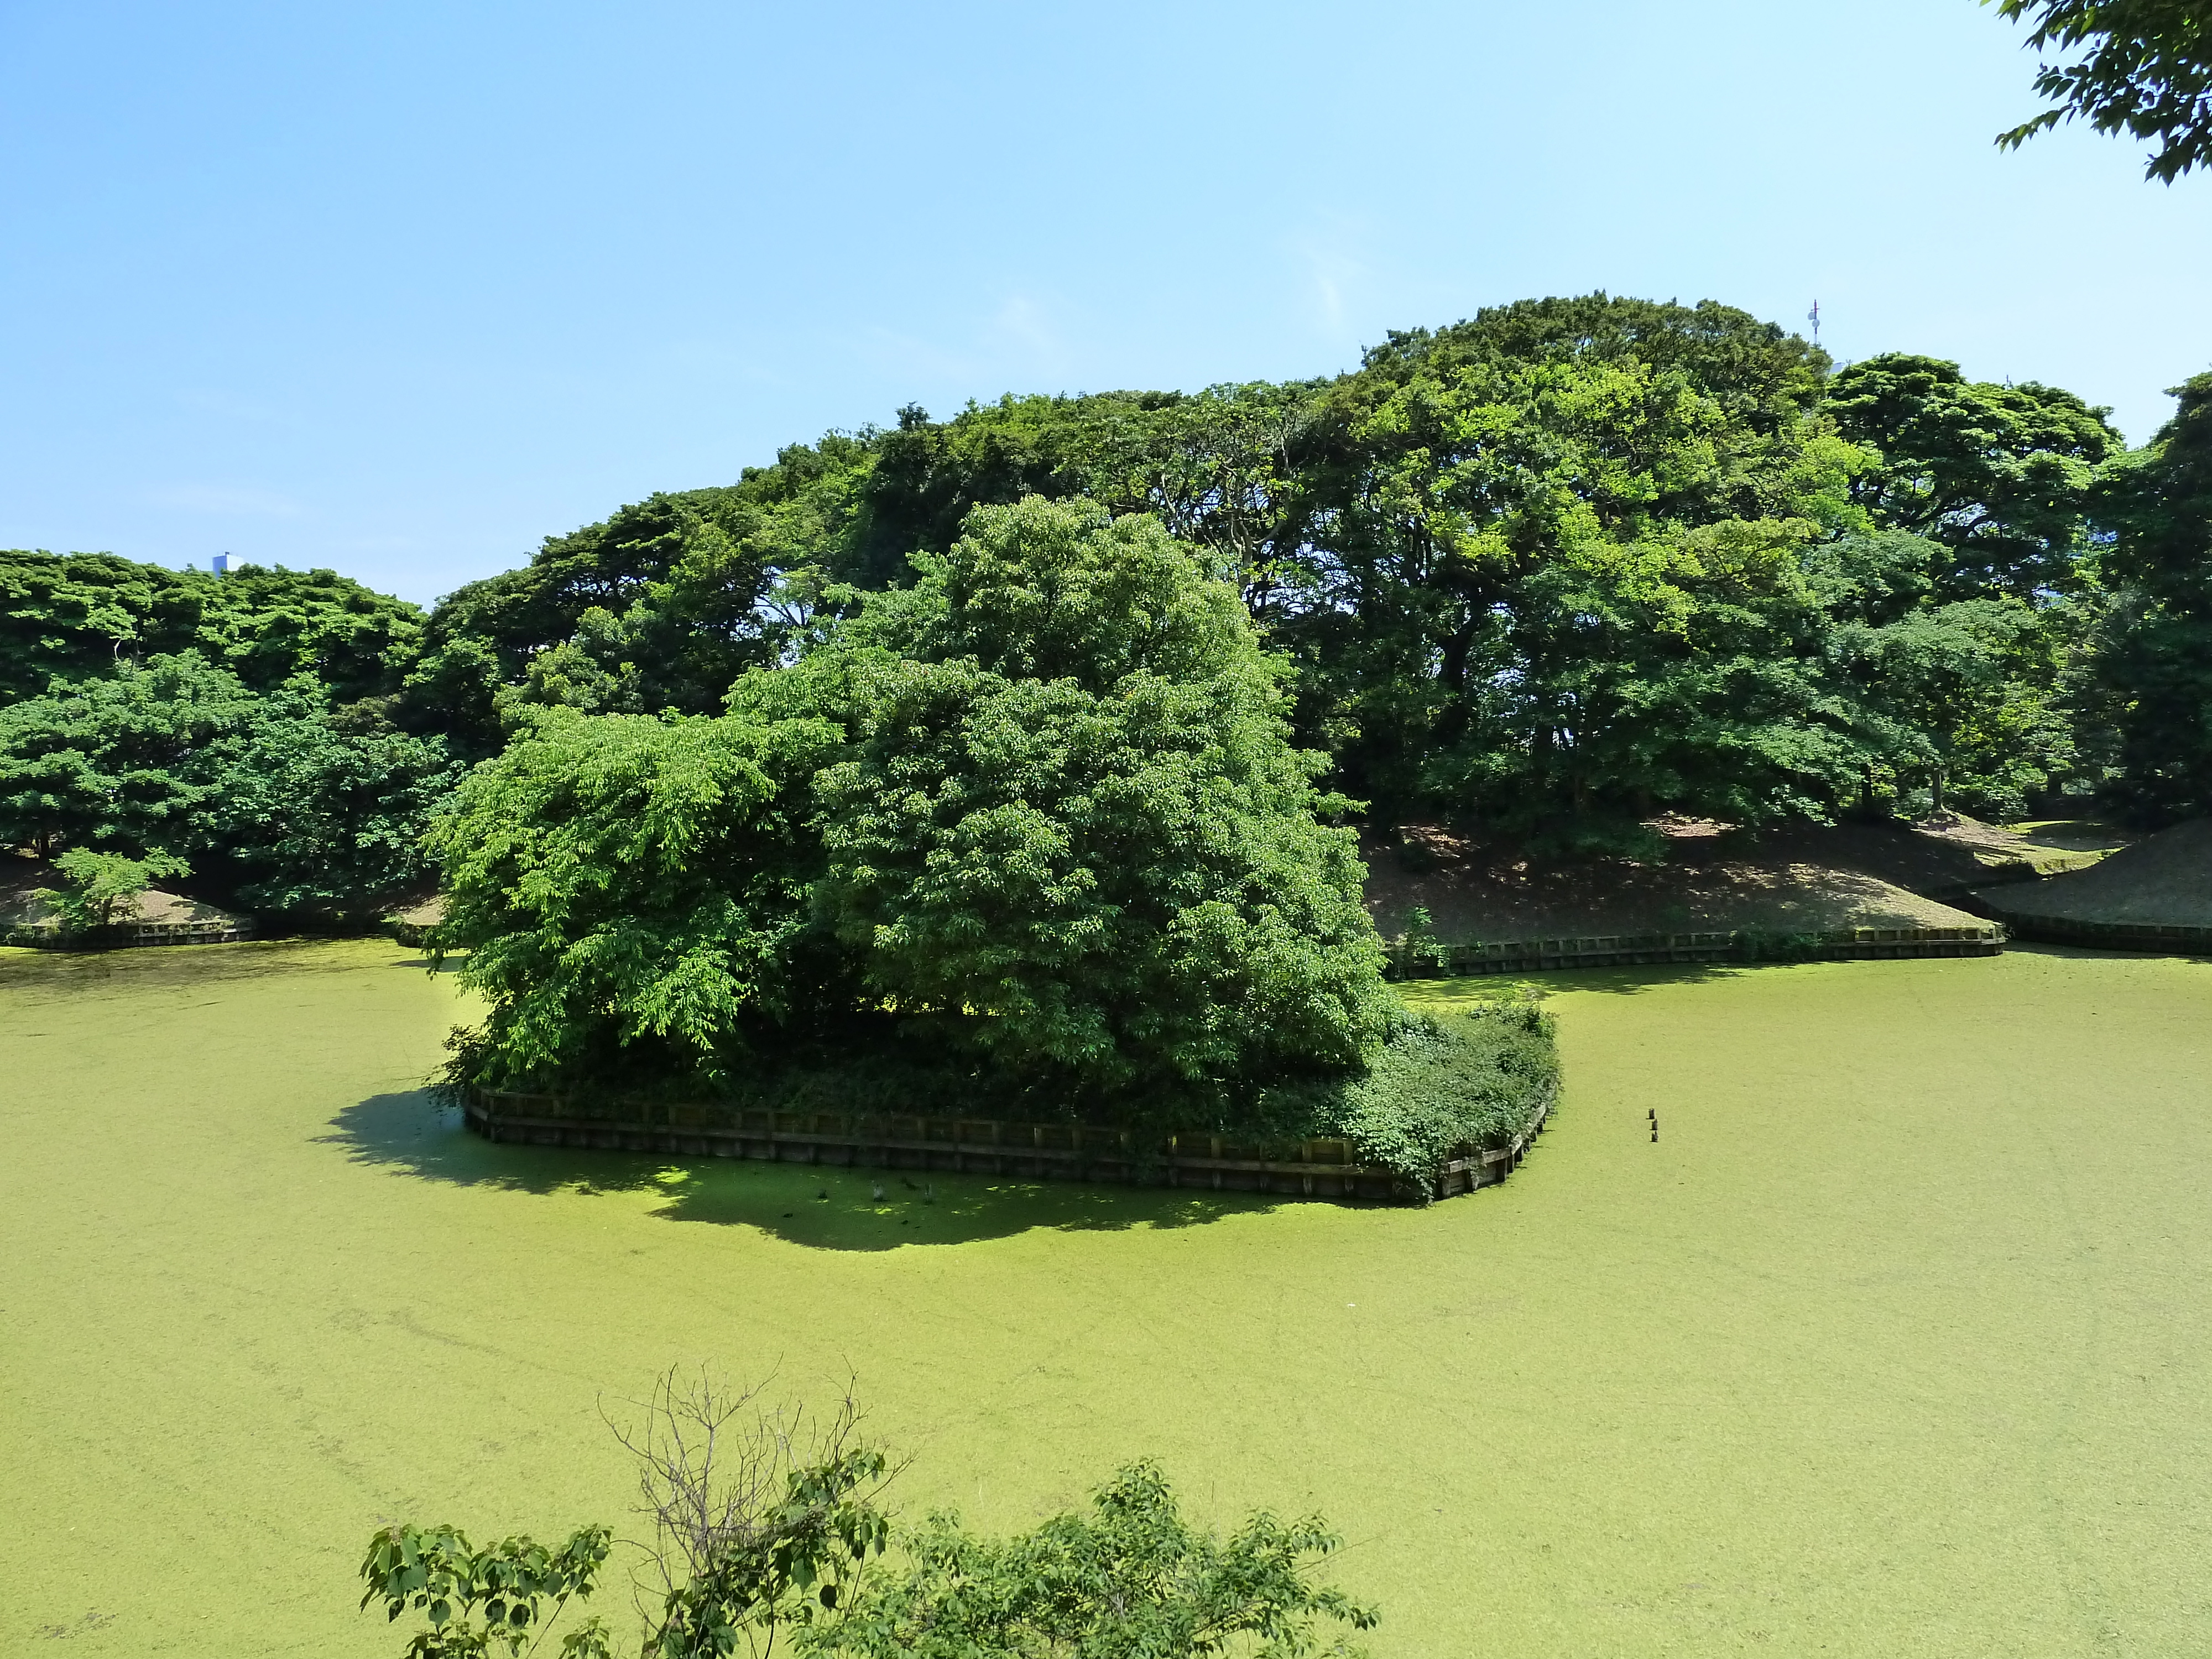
pixel 1627 979
pixel 823 1207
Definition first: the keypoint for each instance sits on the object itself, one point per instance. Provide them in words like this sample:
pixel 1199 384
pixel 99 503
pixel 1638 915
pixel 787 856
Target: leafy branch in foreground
pixel 473 1598
pixel 767 1525
pixel 2149 69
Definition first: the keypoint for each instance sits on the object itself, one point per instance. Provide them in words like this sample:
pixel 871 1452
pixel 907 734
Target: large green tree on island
pixel 1040 811
pixel 1073 805
pixel 634 894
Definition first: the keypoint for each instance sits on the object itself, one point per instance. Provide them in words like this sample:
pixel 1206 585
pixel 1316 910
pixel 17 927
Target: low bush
pixel 1477 1078
pixel 770 1526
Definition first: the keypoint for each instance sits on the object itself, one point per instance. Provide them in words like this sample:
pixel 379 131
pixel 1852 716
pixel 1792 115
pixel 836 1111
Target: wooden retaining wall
pixel 2174 941
pixel 1320 1167
pixel 107 939
pixel 1623 949
pixel 191 933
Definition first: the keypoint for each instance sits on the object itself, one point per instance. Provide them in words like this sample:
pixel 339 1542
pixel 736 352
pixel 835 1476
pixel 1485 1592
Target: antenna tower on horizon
pixel 1814 317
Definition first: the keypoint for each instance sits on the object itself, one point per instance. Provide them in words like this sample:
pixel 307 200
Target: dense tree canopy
pixel 657 608
pixel 1073 805
pixel 307 814
pixel 1960 699
pixel 1539 575
pixel 78 615
pixel 1547 570
pixel 2158 665
pixel 105 763
pixel 1408 533
pixel 1542 573
pixel 635 896
pixel 241 721
pixel 279 802
pixel 1999 475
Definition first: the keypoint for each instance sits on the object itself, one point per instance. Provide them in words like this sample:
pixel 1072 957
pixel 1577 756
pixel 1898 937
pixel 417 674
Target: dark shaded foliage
pixel 2158 663
pixel 657 608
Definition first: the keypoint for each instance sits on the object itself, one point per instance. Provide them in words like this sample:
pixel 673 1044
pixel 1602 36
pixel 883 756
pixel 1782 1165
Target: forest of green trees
pixel 1545 573
pixel 1066 708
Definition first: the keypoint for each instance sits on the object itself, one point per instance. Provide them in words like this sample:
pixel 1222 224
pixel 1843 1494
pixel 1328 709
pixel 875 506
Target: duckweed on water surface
pixel 1894 1343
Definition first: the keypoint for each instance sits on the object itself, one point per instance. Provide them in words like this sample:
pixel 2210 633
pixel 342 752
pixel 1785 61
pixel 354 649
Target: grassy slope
pixel 1807 883
pixel 1798 878
pixel 1895 1343
pixel 1959 854
pixel 2166 880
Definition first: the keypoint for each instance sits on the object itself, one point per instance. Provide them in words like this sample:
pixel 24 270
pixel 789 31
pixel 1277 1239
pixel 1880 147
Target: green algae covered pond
pixel 1900 1341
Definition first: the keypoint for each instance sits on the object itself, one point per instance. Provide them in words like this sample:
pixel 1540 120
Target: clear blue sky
pixel 402 289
